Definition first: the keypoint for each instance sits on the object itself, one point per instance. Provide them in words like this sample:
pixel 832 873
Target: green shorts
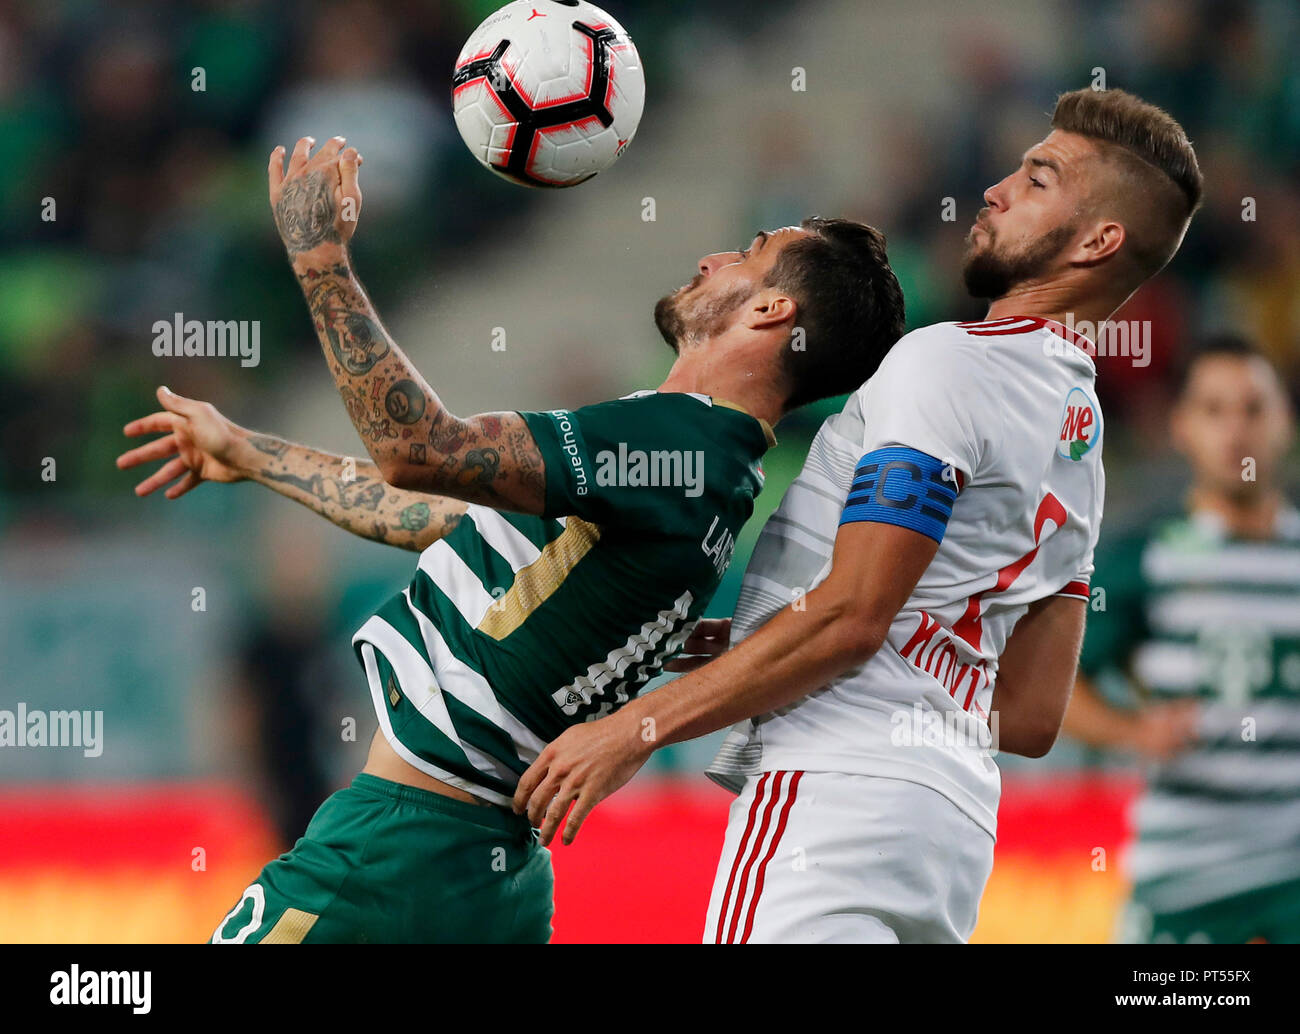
pixel 386 863
pixel 1270 914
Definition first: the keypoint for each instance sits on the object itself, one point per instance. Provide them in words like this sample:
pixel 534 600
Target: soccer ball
pixel 548 92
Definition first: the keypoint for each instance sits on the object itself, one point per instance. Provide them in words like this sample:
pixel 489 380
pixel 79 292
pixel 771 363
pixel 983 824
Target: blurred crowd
pixel 147 126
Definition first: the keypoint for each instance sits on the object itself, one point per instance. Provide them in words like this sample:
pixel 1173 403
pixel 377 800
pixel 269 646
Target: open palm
pixel 198 445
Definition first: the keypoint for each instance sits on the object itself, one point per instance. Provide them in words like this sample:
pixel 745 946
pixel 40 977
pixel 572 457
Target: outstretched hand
pixel 204 443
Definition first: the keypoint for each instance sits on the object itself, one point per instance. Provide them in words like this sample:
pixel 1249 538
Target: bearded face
pixel 991 269
pixel 691 314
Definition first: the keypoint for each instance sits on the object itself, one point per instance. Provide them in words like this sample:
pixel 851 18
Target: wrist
pixel 641 728
pixel 242 457
pixel 329 256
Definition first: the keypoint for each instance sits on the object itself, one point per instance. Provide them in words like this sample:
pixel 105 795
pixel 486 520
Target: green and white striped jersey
pixel 516 627
pixel 1192 612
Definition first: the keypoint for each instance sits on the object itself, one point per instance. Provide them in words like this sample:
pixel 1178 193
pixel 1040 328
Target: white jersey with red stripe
pixel 1008 407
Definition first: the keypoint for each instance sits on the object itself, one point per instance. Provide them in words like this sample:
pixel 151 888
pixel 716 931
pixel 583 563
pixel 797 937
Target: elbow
pixel 1034 742
pixel 395 473
pixel 859 639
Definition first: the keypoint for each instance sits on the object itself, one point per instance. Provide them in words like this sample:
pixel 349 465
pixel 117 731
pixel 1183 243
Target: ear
pixel 1104 239
pixel 769 309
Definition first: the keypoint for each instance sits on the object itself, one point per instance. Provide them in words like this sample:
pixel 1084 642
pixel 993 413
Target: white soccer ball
pixel 548 92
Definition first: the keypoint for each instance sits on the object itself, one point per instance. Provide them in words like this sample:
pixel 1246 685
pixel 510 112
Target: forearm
pixel 382 391
pixel 350 493
pixel 1091 720
pixel 792 655
pixel 414 440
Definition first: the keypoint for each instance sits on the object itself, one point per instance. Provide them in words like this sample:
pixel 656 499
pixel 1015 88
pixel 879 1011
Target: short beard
pixel 706 320
pixel 990 275
pixel 669 321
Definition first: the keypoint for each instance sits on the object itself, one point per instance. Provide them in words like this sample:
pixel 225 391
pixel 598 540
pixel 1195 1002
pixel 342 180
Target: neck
pixel 747 387
pixel 1252 517
pixel 1062 302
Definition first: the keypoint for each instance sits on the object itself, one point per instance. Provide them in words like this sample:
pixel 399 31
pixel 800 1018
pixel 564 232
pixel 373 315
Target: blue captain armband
pixel 898 485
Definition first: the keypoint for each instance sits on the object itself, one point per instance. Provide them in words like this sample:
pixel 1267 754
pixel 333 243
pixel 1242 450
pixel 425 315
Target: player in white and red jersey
pixel 992 434
pixel 918 600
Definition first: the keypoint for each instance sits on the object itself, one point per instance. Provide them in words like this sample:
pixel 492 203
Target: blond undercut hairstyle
pixel 1156 184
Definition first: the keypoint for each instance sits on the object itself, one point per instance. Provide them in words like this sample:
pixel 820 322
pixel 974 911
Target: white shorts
pixel 839 858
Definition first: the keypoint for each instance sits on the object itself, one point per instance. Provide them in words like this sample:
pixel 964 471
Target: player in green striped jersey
pixel 565 555
pixel 1203 616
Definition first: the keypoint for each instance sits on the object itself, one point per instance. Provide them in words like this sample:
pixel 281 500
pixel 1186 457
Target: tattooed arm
pixel 346 492
pixel 414 440
pixel 351 494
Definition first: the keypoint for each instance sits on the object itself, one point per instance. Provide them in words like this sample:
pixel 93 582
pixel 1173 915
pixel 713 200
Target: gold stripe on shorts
pixel 291 927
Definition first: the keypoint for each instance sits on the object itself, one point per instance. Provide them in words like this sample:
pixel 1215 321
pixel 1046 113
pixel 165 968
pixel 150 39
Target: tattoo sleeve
pixel 352 494
pixel 413 438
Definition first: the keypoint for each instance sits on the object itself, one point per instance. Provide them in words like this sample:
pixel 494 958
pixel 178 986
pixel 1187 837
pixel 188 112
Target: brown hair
pixel 1160 180
pixel 849 305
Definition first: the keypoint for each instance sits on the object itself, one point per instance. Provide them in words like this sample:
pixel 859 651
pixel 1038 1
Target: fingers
pixel 714 628
pixel 349 162
pixel 301 151
pixel 301 157
pixel 173 469
pixel 702 644
pixel 329 150
pixel 156 450
pixel 711 636
pixel 191 480
pixel 577 817
pixel 275 170
pixel 540 799
pixel 555 814
pixel 529 780
pixel 150 424
pixel 176 403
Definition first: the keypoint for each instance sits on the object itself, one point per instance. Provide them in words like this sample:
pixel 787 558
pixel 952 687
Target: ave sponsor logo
pixel 102 987
pixel 1080 426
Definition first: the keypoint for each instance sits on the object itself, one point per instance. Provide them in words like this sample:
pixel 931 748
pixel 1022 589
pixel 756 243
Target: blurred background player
pixel 1202 618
